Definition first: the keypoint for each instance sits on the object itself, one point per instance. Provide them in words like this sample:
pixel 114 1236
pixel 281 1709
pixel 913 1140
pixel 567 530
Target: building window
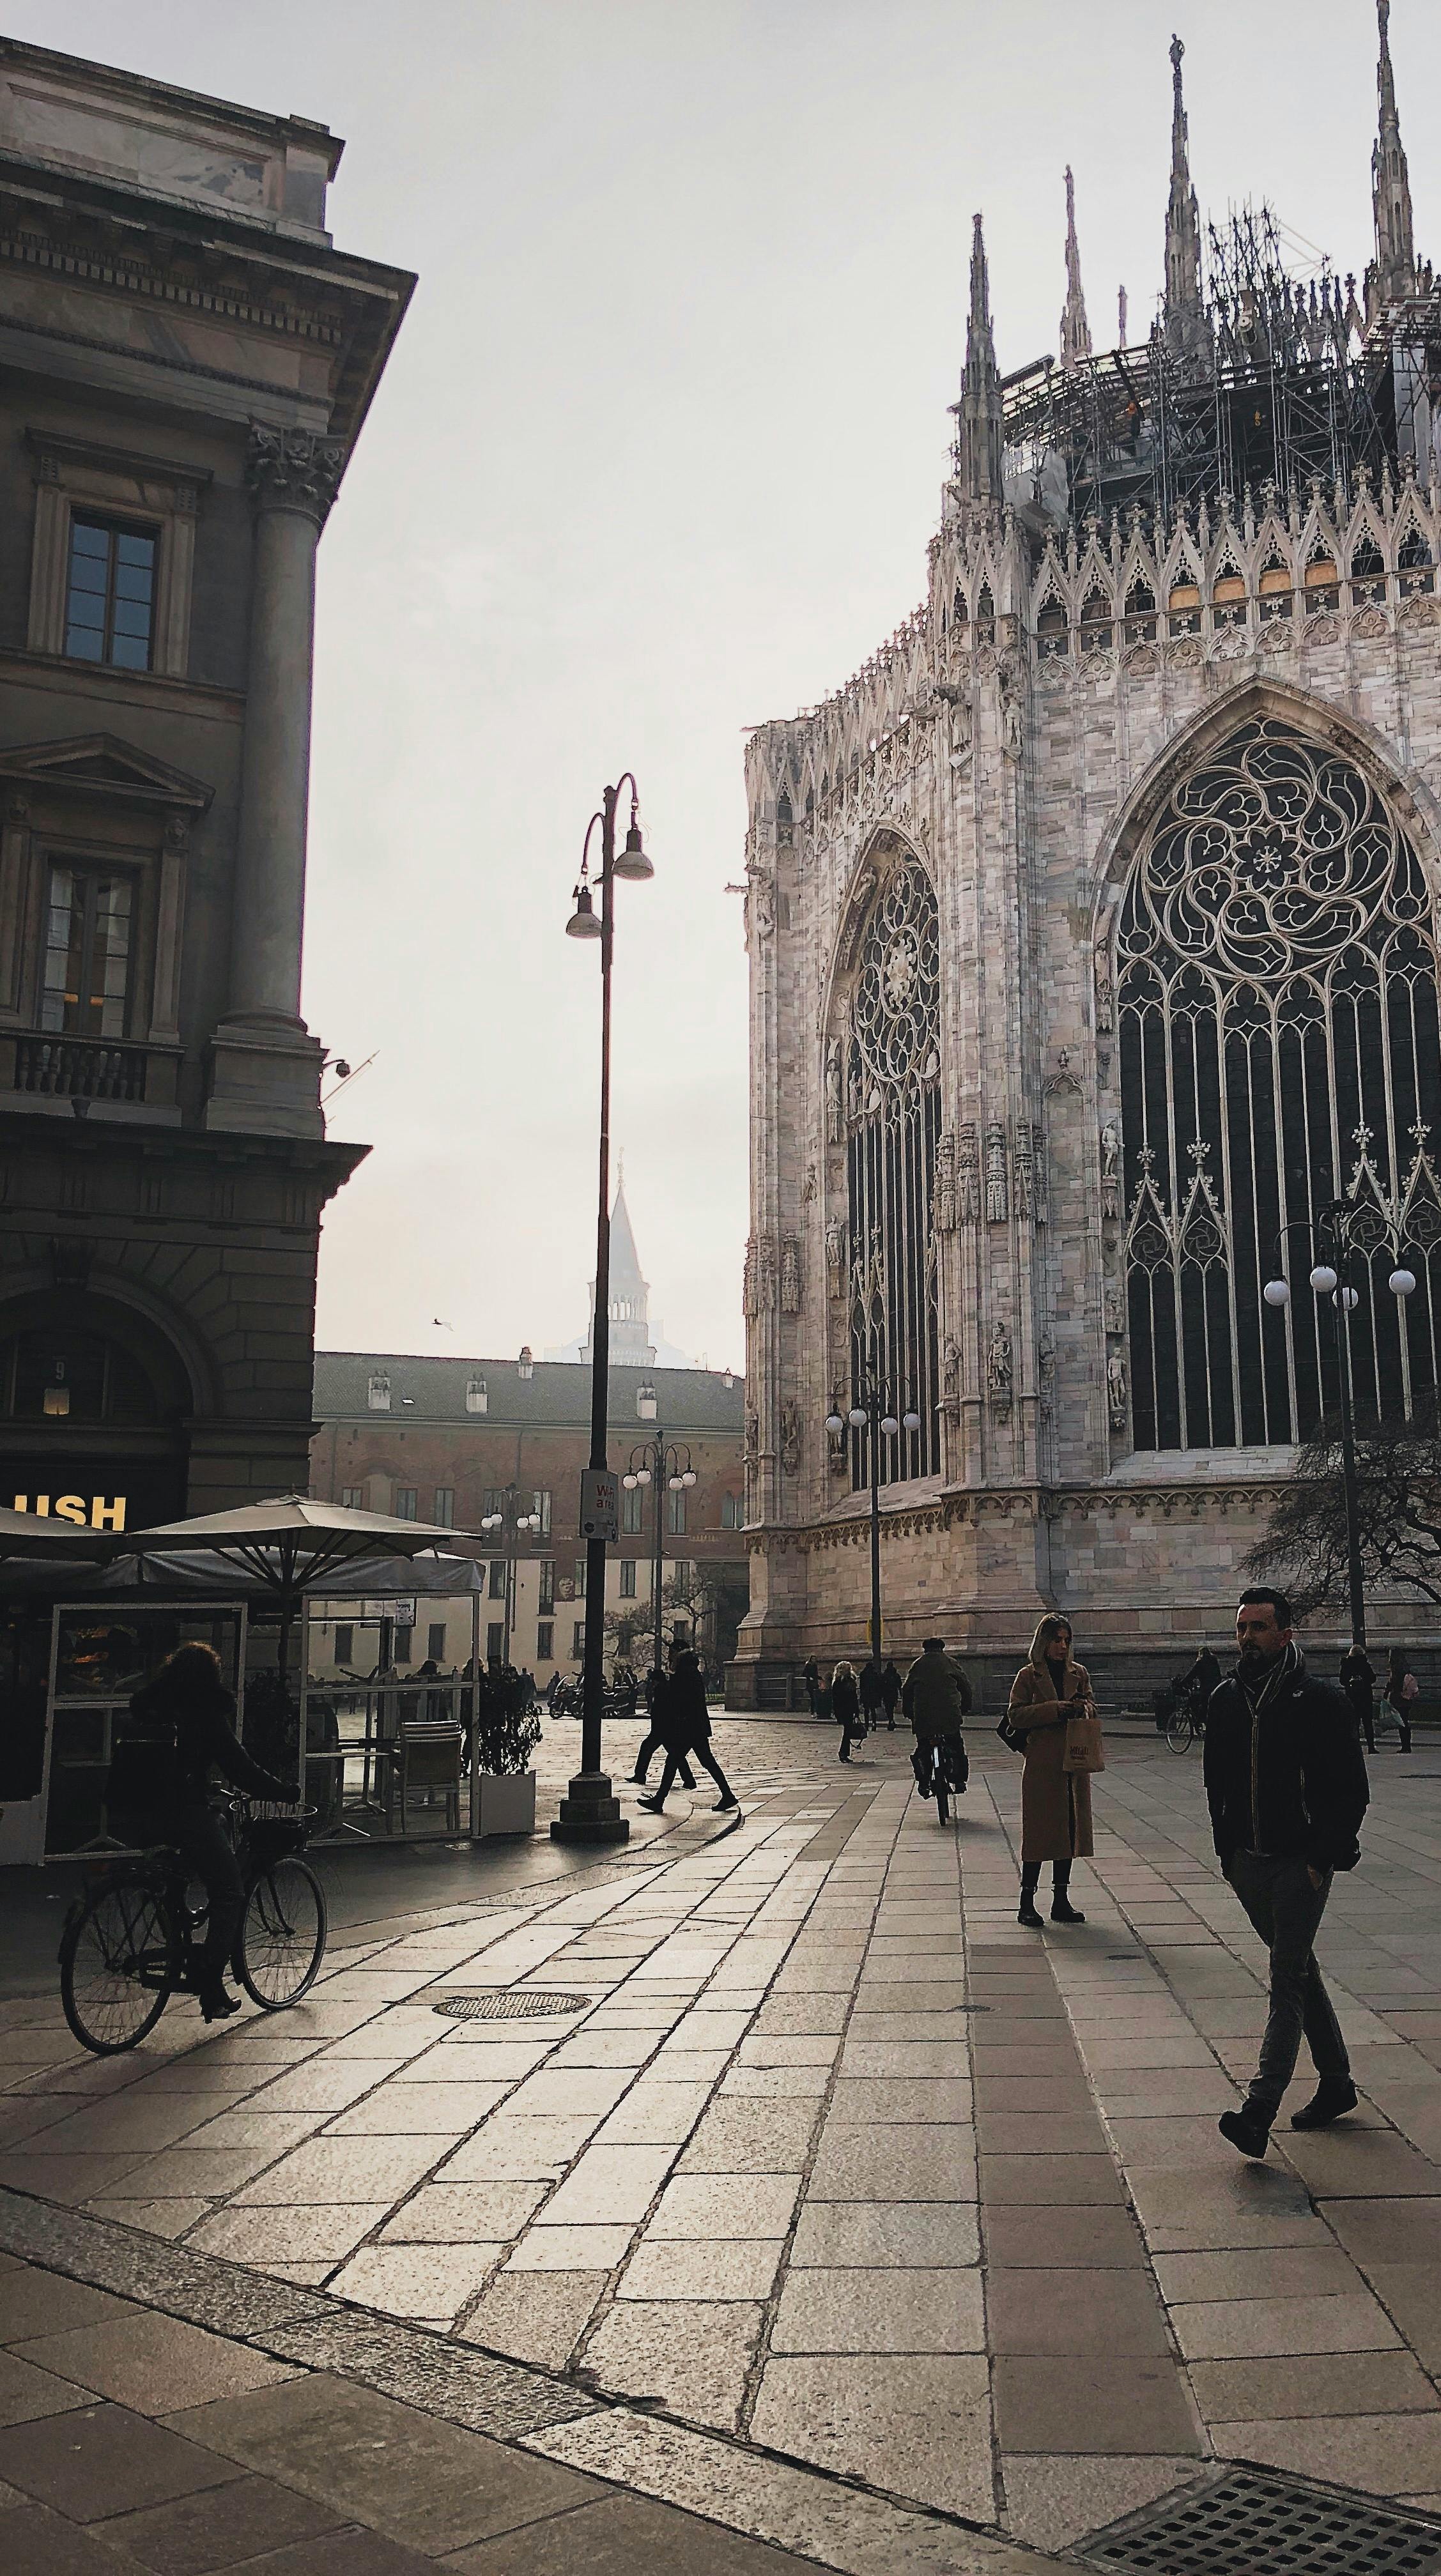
pixel 577 1642
pixel 730 1512
pixel 545 1642
pixel 497 1578
pixel 344 1645
pixel 892 1078
pixel 540 1505
pixel 496 1498
pixel 627 1578
pixel 377 1395
pixel 632 1510
pixel 580 1578
pixel 87 953
pixel 547 1586
pixel 445 1507
pixel 525 1365
pixel 675 1511
pixel 405 1502
pixel 494 1641
pixel 476 1398
pixel 1276 983
pixel 110 603
pixel 352 1498
pixel 435 1641
pixel 405 1645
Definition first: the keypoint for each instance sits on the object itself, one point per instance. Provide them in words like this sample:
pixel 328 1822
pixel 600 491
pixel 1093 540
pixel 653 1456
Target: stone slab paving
pixel 828 2171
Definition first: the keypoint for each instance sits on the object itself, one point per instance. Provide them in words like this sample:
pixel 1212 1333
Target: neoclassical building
pixel 1092 937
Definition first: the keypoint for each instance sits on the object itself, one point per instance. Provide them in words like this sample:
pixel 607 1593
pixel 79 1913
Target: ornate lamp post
pixel 874 1409
pixel 658 1461
pixel 1333 1239
pixel 516 1525
pixel 590 1813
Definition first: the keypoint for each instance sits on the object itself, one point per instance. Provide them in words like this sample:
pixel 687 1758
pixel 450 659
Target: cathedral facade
pixel 1092 940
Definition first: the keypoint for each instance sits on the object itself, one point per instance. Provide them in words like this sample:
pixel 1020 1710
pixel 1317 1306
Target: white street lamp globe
pixel 1402 1283
pixel 857 1417
pixel 689 1477
pixel 1349 1299
pixel 889 1422
pixel 1277 1292
pixel 642 1475
pixel 910 1422
pixel 835 1423
pixel 1323 1278
pixel 629 1483
pixel 674 1484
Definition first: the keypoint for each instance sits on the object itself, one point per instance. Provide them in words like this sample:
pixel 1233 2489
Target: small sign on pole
pixel 599 1504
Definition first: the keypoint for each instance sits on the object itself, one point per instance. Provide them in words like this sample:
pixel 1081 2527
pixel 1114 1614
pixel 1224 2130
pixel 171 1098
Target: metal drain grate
pixel 1250 2520
pixel 508 2003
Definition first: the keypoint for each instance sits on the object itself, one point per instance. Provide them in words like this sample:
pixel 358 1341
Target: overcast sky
pixel 656 458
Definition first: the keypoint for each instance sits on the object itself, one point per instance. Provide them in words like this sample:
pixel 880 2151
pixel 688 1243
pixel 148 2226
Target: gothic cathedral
pixel 1092 934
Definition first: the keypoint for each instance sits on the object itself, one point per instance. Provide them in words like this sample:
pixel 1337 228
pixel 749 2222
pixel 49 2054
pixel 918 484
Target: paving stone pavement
pixel 827 2172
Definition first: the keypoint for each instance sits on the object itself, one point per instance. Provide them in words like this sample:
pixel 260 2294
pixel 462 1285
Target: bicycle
pixel 130 1944
pixel 945 1775
pixel 1185 1726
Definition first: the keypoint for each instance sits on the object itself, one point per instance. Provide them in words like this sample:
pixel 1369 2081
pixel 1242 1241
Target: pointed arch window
pixel 1321 585
pixel 1368 574
pixel 1279 1047
pixel 1183 608
pixel 1415 568
pixel 1140 613
pixel 1096 622
pixel 1275 588
pixel 1052 631
pixel 1228 598
pixel 893 1088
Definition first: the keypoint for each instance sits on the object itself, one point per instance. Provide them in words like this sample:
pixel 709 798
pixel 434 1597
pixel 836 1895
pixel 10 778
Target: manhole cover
pixel 1249 2520
pixel 508 2003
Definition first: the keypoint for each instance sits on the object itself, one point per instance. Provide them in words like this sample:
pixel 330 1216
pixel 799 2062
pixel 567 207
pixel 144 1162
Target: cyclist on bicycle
pixel 935 1696
pixel 1204 1677
pixel 188 1709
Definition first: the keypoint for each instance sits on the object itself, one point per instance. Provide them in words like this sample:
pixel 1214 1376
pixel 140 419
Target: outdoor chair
pixel 423 1757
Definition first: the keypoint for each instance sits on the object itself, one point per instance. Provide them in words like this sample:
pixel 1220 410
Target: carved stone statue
pixel 998 1360
pixel 1114 1317
pixel 835 1095
pixel 951 1368
pixel 1040 1177
pixel 1021 1165
pixel 1110 1168
pixel 968 1174
pixel 945 1197
pixel 1116 1389
pixel 836 1257
pixel 791 1275
pixel 1011 714
pixel 790 1438
pixel 1105 997
pixel 751 1294
pixel 753 1434
pixel 764 905
pixel 998 1197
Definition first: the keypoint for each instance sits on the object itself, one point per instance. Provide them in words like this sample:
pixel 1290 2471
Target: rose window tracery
pixel 1276 981
pixel 892 1052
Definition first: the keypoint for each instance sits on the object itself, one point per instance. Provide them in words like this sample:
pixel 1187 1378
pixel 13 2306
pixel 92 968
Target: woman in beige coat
pixel 1055 1804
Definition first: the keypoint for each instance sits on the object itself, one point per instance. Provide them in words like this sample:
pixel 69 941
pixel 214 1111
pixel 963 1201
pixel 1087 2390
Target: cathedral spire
pixel 1185 312
pixel 1392 273
pixel 1075 330
pixel 978 447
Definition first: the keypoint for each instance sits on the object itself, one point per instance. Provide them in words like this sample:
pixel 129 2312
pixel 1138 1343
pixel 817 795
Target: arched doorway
pixel 1276 987
pixel 94 1403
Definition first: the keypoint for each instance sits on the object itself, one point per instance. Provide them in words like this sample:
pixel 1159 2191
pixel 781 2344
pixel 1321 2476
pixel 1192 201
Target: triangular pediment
pixel 100 764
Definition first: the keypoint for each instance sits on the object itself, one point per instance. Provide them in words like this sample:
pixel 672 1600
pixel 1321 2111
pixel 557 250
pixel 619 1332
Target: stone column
pixel 266 1064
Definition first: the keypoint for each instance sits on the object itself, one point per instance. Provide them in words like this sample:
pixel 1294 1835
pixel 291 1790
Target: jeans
pixel 1286 1909
pixel 206 1850
pixel 677 1762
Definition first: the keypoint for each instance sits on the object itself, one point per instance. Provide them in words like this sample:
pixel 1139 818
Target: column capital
pixel 293 469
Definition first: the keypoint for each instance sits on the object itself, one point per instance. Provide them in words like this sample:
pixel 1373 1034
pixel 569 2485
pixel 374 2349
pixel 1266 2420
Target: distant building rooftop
pixel 549 1393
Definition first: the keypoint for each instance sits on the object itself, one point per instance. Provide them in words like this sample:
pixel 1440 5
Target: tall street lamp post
pixel 1333 1240
pixel 659 1462
pixel 590 1812
pixel 516 1525
pixel 873 1410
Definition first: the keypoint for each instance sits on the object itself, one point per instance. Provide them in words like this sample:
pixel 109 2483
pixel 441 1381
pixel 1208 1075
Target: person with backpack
pixel 186 1711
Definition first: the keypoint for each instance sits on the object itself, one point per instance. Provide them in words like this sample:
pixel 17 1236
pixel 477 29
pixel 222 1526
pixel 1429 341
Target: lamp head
pixel 631 862
pixel 910 1422
pixel 583 923
pixel 1323 1278
pixel 1277 1292
pixel 689 1476
pixel 835 1424
pixel 642 1475
pixel 629 1483
pixel 1402 1283
pixel 857 1417
pixel 889 1423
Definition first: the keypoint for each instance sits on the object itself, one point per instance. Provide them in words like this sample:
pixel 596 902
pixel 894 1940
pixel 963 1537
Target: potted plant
pixel 506 1735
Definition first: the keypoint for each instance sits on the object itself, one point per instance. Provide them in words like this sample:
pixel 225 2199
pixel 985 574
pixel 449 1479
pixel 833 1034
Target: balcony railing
pixel 37 1066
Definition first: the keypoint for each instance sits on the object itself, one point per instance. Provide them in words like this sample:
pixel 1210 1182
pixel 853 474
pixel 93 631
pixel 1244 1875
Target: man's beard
pixel 1253 1664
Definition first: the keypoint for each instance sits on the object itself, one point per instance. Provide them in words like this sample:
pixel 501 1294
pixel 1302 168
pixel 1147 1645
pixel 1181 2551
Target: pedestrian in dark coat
pixel 188 1712
pixel 846 1708
pixel 657 1683
pixel 1286 1785
pixel 811 1677
pixel 685 1728
pixel 891 1687
pixel 1358 1681
pixel 1055 1803
pixel 873 1697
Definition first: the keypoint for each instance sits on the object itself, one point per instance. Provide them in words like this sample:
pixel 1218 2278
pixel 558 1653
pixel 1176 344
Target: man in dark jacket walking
pixel 891 1694
pixel 685 1728
pixel 1286 1783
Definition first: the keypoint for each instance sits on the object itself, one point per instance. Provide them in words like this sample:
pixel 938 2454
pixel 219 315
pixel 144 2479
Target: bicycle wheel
pixel 941 1784
pixel 1179 1730
pixel 281 1941
pixel 118 1963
